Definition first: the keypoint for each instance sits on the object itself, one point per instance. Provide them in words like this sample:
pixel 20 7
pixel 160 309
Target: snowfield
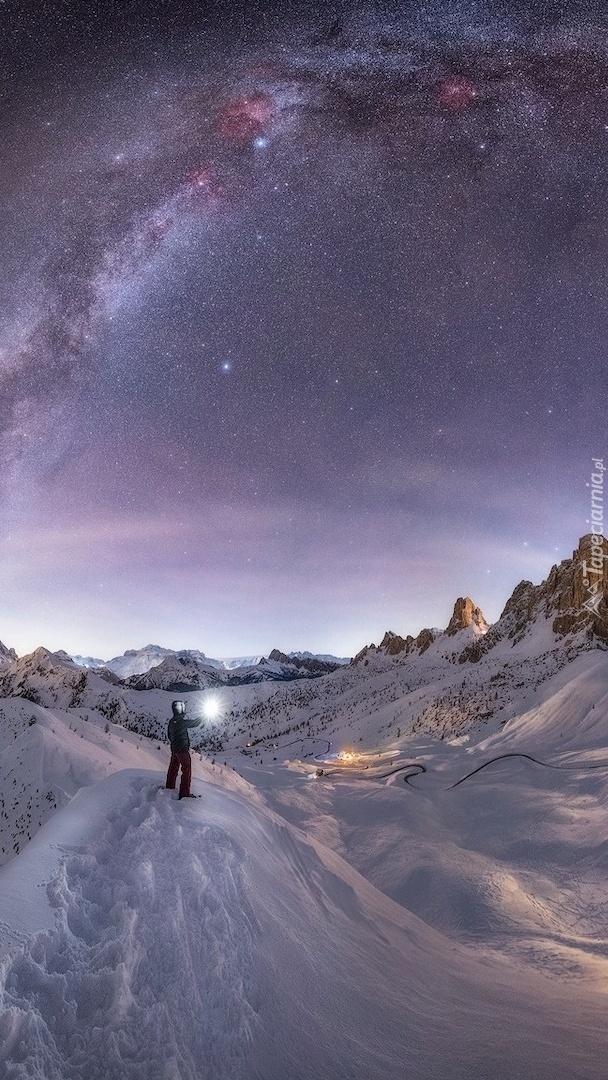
pixel 211 939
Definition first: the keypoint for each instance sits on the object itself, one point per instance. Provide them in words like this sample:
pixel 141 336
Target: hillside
pixel 403 860
pixel 221 917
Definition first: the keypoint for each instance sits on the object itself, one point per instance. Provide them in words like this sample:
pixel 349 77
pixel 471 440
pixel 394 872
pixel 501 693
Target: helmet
pixel 179 707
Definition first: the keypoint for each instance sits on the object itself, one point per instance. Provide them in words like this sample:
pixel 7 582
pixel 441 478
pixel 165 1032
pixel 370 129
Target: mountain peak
pixel 393 643
pixel 466 613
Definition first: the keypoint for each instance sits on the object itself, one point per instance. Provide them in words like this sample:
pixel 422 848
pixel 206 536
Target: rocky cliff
pixel 574 598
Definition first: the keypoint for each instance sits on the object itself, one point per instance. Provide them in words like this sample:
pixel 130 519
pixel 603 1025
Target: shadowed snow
pixel 211 939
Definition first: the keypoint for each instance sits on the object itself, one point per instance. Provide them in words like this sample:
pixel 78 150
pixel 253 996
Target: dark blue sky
pixel 303 316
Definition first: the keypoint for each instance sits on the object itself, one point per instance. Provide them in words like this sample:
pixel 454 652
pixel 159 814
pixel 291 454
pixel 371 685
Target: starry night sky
pixel 303 315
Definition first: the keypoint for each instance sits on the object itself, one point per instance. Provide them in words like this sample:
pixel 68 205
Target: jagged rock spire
pixel 465 613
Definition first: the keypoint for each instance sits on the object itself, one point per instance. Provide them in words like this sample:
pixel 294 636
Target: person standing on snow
pixel 177 733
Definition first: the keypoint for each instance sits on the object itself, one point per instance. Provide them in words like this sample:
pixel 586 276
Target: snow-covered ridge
pixel 138 661
pixel 447 684
pixel 564 598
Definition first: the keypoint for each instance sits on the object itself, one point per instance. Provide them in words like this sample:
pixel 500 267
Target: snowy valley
pixel 397 866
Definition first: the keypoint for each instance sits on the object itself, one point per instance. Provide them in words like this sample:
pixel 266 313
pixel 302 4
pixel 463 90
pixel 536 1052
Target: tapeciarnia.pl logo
pixel 594 569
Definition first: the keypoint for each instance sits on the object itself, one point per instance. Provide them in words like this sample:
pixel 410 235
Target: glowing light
pixel 348 756
pixel 211 706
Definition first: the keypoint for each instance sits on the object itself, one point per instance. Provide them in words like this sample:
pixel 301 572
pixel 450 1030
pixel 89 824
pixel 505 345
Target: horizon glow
pixel 301 319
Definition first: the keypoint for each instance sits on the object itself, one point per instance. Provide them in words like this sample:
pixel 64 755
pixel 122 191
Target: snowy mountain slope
pixel 176 673
pixel 448 684
pixel 512 860
pixel 52 679
pixel 389 697
pixel 568 712
pixel 46 756
pixel 159 939
pixel 139 661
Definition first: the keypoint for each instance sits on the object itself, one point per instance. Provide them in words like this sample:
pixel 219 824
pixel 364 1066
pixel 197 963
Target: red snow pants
pixel 185 761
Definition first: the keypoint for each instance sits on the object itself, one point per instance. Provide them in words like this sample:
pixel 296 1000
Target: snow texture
pixel 150 956
pixel 213 939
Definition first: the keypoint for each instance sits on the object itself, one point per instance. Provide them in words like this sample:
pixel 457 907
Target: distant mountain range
pixel 557 617
pixel 188 669
pixel 156 668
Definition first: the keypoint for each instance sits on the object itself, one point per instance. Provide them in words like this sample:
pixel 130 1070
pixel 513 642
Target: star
pixel 438 242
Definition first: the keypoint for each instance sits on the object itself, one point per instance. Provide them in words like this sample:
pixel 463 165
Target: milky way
pixel 303 315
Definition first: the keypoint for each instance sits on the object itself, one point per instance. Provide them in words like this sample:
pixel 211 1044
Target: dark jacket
pixel 177 733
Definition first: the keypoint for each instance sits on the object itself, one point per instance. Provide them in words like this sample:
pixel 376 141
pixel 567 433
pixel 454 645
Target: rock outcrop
pixel 575 593
pixel 466 614
pixel 6 655
pixel 574 597
pixel 393 644
pixel 309 664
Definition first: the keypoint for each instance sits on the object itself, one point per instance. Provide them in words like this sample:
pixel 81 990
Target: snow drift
pixel 174 941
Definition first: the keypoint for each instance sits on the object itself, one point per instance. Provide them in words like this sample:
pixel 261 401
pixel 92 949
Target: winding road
pixel 527 757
